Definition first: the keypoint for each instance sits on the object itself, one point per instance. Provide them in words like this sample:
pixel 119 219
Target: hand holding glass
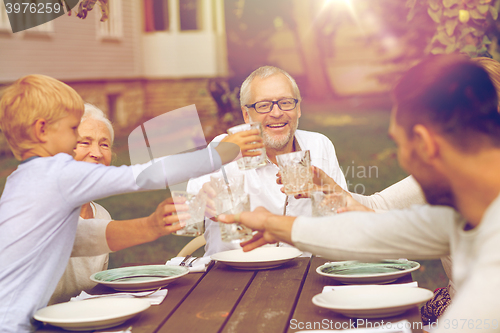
pixel 296 173
pixel 324 204
pixel 254 160
pixel 231 199
pixel 195 226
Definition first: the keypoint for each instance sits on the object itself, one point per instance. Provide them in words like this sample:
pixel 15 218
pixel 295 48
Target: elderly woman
pixel 97 234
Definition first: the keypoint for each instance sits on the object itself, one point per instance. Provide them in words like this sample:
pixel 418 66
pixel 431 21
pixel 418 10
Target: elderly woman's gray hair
pixel 263 72
pixel 92 112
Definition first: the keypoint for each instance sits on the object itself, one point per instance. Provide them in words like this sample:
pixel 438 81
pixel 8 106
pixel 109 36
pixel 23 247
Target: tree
pixel 466 26
pixel 86 6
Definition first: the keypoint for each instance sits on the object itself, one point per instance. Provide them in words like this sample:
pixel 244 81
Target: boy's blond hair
pixel 30 98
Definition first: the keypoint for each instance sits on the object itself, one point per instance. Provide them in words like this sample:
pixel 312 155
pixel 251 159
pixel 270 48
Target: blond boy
pixel 41 201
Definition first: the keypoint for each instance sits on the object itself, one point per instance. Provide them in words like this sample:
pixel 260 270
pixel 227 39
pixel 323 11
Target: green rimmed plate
pixel 355 272
pixel 139 278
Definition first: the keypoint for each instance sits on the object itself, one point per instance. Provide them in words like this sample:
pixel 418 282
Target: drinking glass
pixel 324 204
pixel 250 162
pixel 234 183
pixel 233 203
pixel 195 226
pixel 296 173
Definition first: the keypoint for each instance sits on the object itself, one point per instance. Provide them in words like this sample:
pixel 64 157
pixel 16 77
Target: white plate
pixel 260 258
pixel 373 301
pixel 355 272
pixel 160 276
pixel 92 314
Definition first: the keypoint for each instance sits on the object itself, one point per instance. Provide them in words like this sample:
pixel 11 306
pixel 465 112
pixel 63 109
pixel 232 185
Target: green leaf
pixel 494 12
pixel 468 49
pixel 434 4
pixel 450 26
pixel 475 14
pixel 450 48
pixel 434 38
pixel 438 50
pixel 444 39
pixel 466 31
pixel 483 9
pixel 451 12
pixel 435 16
pixel 478 33
pixel 486 40
pixel 449 3
pixel 482 50
pixel 411 13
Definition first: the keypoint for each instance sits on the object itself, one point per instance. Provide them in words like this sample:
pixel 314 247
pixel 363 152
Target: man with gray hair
pixel 271 97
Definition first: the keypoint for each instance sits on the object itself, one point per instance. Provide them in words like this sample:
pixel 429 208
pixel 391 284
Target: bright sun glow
pixel 350 8
pixel 347 2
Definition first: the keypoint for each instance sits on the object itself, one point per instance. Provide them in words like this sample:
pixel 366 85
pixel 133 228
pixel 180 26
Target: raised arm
pixel 420 232
pixel 100 236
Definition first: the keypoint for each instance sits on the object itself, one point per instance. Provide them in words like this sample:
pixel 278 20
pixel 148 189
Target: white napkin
pixel 200 265
pixel 331 288
pixel 155 298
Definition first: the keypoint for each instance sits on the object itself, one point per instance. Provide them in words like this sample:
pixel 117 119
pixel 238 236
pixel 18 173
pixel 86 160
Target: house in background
pixel 149 57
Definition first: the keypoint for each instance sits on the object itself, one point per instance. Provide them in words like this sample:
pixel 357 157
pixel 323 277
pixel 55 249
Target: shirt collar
pixel 29 159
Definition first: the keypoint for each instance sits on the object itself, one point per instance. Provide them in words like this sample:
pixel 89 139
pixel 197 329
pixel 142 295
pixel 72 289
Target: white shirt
pixel 39 211
pixel 422 232
pixel 403 194
pixel 90 255
pixel 261 184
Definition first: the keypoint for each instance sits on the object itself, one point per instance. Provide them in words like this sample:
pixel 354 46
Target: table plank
pixel 309 316
pixel 268 302
pixel 152 318
pixel 212 301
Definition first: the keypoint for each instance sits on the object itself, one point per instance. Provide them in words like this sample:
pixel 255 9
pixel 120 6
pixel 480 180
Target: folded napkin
pixel 331 288
pixel 194 264
pixel 155 298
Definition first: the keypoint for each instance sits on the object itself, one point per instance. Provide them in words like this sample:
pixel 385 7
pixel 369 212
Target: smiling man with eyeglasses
pixel 271 97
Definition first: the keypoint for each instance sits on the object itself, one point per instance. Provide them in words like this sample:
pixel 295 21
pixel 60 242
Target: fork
pixel 192 262
pixel 183 262
pixel 124 294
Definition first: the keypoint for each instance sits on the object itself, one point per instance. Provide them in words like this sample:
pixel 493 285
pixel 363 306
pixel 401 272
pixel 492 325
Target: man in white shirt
pixel 271 96
pixel 447 128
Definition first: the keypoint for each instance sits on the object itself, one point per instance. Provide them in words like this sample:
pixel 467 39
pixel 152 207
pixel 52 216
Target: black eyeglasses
pixel 285 104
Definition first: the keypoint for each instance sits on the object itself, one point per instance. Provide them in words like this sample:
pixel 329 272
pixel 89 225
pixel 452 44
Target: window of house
pixel 156 15
pixel 112 27
pixel 191 14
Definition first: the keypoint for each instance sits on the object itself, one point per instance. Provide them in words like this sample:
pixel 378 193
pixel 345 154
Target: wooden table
pixel 229 300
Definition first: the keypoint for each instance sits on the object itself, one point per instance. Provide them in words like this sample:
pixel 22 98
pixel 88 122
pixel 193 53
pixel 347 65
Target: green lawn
pixel 365 153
